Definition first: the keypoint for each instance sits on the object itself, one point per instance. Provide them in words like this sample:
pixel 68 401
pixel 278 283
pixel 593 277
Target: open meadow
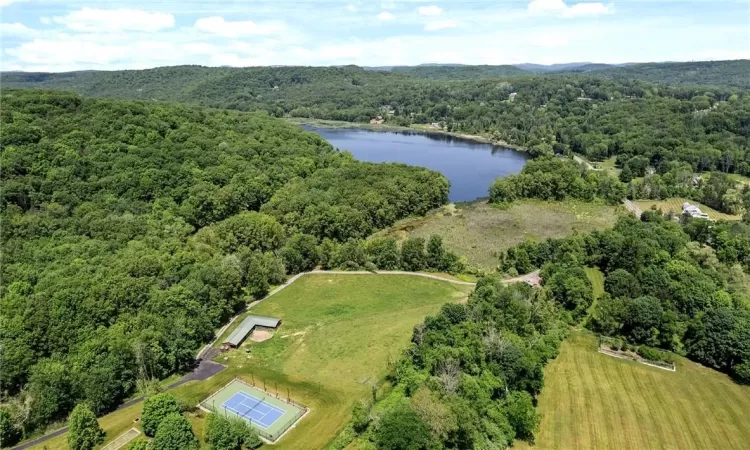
pixel 337 335
pixel 591 400
pixel 481 232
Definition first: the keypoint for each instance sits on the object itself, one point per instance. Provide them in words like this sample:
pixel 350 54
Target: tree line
pixel 551 178
pixel 131 231
pixel 471 374
pixel 597 114
pixel 663 287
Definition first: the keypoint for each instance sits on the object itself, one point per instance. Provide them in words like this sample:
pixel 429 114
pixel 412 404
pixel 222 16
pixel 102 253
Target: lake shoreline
pixel 337 124
pixel 470 165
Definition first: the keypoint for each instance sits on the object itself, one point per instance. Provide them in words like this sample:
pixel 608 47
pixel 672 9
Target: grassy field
pixel 597 286
pixel 337 334
pixel 675 205
pixel 481 232
pixel 591 400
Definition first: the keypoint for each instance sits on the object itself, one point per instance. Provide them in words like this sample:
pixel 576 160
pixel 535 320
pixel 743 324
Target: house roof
pixel 247 325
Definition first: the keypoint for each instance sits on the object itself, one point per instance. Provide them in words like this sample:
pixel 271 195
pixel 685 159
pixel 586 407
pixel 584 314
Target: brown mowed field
pixel 594 401
pixel 674 205
pixel 481 232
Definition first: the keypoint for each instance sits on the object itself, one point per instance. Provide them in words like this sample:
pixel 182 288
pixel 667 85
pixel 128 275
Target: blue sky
pixel 51 35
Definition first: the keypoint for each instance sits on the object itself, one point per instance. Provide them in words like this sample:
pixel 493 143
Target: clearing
pixel 674 205
pixel 481 231
pixel 591 400
pixel 337 336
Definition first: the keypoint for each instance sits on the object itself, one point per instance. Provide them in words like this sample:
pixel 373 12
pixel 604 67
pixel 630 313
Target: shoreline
pixel 336 124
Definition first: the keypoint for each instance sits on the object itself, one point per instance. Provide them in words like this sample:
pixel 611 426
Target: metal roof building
pixel 247 325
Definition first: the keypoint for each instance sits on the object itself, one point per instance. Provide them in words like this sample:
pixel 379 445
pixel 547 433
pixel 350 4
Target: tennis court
pixel 269 413
pixel 253 409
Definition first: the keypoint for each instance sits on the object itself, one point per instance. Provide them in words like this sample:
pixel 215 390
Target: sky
pixel 57 36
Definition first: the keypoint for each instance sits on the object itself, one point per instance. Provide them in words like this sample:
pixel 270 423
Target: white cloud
pixel 440 24
pixel 218 26
pixel 16 29
pixel 10 2
pixel 45 20
pixel 590 9
pixel 546 5
pixel 431 10
pixel 110 20
pixel 351 8
pixel 385 15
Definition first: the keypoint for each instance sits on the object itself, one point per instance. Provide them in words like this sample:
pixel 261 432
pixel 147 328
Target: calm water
pixel 470 166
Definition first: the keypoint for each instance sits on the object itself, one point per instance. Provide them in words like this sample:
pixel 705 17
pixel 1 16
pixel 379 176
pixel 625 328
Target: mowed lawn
pixel 481 232
pixel 674 205
pixel 337 335
pixel 591 400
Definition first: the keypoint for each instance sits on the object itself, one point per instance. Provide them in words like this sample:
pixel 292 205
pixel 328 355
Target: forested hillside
pixel 461 72
pixel 131 231
pixel 663 287
pixel 705 128
pixel 711 73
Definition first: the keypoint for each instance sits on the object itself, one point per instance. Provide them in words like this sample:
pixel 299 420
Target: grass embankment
pixel 337 335
pixel 481 232
pixel 591 400
pixel 674 205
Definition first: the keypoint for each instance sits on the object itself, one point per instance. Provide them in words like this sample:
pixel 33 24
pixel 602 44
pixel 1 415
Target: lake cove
pixel 469 166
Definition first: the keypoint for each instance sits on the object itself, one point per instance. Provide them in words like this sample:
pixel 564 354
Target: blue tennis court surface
pixel 253 409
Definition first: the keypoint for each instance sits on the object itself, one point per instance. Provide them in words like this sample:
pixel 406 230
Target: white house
pixel 693 211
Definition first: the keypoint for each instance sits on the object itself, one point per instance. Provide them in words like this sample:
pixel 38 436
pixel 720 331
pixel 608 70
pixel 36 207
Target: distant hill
pixel 460 72
pixel 287 88
pixel 712 73
pixel 540 68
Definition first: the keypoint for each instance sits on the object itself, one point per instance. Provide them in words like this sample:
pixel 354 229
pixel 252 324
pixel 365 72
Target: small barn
pixel 246 327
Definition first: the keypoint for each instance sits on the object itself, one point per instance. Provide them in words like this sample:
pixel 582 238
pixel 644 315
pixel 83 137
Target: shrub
pixel 155 409
pixel 360 417
pixel 402 429
pixel 84 432
pixel 9 434
pixel 653 354
pixel 175 433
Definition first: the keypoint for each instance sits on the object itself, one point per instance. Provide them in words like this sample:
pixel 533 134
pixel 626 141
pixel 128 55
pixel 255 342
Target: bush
pixel 138 444
pixel 9 434
pixel 155 409
pixel 653 354
pixel 175 433
pixel 84 432
pixel 361 417
pixel 230 433
pixel 402 429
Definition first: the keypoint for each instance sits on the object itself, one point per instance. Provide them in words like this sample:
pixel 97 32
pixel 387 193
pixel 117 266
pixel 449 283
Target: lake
pixel 470 166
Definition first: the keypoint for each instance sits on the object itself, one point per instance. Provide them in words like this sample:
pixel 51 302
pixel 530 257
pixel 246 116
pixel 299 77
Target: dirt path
pixel 630 206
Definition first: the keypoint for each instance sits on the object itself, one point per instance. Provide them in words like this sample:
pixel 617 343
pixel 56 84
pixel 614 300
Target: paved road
pixel 204 369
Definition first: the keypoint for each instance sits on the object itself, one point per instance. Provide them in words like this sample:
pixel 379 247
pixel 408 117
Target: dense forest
pixel 705 128
pixel 471 374
pixel 550 178
pixel 131 231
pixel 711 73
pixel 663 288
pixel 460 72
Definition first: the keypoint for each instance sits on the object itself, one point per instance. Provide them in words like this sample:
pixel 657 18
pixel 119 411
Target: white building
pixel 693 211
